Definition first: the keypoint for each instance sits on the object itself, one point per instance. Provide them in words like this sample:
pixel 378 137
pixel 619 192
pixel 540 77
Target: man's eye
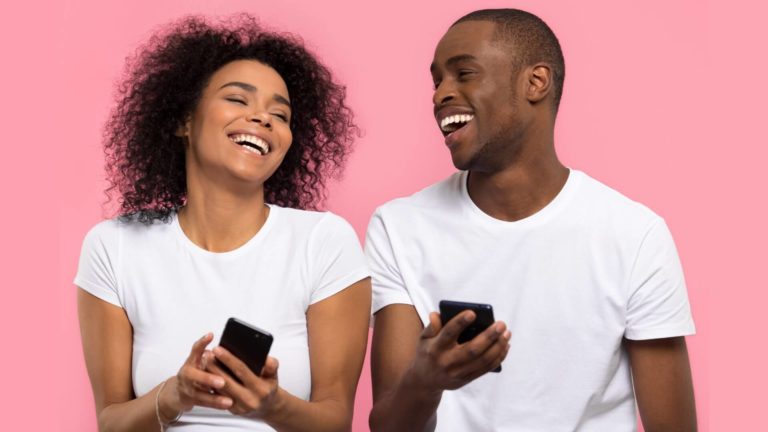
pixel 435 85
pixel 465 73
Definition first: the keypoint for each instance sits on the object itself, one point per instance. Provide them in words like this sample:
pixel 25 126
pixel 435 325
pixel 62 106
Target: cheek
pixel 286 137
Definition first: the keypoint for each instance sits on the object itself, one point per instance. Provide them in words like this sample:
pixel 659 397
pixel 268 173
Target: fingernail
pixel 226 402
pixel 218 382
pixel 217 351
pixel 507 335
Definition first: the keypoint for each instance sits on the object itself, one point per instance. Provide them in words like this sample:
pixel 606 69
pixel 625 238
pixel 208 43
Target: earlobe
pixel 539 82
pixel 183 130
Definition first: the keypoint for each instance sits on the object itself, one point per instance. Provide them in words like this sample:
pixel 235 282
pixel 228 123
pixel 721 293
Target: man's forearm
pixel 407 407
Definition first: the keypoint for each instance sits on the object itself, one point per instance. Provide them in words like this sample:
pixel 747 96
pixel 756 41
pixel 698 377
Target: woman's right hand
pixel 193 385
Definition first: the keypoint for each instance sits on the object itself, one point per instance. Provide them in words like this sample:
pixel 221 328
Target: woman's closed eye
pixel 281 116
pixel 237 100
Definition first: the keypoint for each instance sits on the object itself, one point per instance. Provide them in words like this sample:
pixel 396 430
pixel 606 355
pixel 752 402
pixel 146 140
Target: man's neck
pixel 518 191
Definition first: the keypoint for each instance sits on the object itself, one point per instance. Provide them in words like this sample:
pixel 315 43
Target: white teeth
pixel 251 149
pixel 458 118
pixel 258 142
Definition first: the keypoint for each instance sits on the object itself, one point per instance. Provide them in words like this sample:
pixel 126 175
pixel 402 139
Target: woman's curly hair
pixel 163 83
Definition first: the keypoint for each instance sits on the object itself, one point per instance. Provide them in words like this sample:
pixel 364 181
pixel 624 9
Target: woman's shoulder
pixel 126 225
pixel 309 217
pixel 320 223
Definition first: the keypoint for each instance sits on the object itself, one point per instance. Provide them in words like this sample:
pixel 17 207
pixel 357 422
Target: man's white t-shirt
pixel 570 281
pixel 174 292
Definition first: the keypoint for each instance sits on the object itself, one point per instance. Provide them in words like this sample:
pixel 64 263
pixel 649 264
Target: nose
pixel 261 117
pixel 444 92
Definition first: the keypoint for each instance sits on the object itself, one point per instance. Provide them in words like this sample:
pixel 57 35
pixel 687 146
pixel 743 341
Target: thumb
pixel 270 368
pixel 433 328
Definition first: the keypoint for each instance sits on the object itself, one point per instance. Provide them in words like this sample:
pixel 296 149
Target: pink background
pixel 664 100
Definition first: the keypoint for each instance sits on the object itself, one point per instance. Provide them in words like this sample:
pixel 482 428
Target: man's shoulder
pixel 435 196
pixel 608 204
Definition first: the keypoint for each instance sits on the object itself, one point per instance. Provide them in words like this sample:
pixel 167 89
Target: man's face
pixel 475 99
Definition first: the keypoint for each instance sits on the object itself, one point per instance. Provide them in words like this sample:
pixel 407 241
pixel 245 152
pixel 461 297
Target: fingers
pixel 240 370
pixel 196 387
pixel 212 400
pixel 451 331
pixel 232 388
pixel 196 354
pixel 433 328
pixel 270 368
pixel 200 378
pixel 255 391
pixel 485 352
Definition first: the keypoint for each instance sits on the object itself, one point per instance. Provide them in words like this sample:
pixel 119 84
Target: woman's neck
pixel 220 222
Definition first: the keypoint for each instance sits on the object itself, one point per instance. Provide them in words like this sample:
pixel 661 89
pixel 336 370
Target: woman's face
pixel 240 130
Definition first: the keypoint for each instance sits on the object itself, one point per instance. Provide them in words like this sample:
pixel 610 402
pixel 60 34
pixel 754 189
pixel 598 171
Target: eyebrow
pixel 453 61
pixel 250 88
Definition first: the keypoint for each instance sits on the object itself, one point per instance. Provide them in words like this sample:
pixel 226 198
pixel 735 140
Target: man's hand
pixel 441 363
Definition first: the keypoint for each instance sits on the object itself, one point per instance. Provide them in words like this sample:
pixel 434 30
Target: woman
pixel 220 135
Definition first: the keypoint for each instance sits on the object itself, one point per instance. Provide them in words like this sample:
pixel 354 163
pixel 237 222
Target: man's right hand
pixel 411 365
pixel 441 363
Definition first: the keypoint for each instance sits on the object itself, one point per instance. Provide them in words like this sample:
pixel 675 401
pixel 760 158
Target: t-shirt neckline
pixel 252 242
pixel 554 206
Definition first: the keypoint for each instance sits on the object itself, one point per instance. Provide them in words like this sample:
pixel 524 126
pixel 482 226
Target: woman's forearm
pixel 294 414
pixel 136 415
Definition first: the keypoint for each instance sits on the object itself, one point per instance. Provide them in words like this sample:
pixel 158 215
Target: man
pixel 587 283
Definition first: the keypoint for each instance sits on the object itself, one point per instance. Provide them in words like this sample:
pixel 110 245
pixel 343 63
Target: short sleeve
pixel 96 270
pixel 388 284
pixel 658 301
pixel 336 256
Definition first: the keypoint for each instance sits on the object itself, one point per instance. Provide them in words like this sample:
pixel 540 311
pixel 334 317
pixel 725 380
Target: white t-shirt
pixel 173 292
pixel 570 281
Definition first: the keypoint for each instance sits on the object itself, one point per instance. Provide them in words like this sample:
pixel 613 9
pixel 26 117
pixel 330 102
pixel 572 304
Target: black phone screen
pixel 246 342
pixel 483 313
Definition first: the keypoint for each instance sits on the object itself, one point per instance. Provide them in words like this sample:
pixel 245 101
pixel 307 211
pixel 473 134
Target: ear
pixel 539 83
pixel 184 128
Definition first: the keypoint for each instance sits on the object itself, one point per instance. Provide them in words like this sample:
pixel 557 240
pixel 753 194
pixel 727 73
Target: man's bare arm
pixel 663 386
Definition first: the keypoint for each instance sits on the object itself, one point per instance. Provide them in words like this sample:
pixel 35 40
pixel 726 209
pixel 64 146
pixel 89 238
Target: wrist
pixel 276 411
pixel 414 384
pixel 168 407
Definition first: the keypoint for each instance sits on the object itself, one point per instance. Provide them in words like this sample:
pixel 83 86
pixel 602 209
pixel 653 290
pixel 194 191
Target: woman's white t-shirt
pixel 174 292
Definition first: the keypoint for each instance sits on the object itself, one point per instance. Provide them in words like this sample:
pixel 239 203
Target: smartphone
pixel 483 319
pixel 246 342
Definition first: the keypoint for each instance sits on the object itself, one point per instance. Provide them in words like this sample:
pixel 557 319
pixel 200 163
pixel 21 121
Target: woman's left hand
pixel 254 396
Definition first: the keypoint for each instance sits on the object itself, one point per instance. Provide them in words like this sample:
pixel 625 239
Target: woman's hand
pixel 193 385
pixel 253 396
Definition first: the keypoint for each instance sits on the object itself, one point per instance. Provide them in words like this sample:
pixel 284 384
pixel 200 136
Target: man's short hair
pixel 532 39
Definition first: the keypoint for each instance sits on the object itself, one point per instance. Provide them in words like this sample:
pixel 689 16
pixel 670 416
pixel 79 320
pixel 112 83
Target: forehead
pixel 475 38
pixel 252 72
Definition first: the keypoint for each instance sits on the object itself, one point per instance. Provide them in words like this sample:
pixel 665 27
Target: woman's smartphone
pixel 246 342
pixel 483 318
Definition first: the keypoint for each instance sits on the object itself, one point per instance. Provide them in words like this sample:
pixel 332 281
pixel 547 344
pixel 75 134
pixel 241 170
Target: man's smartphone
pixel 246 342
pixel 483 318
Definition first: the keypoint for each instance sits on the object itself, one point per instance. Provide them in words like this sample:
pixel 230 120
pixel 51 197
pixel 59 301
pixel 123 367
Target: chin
pixel 460 161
